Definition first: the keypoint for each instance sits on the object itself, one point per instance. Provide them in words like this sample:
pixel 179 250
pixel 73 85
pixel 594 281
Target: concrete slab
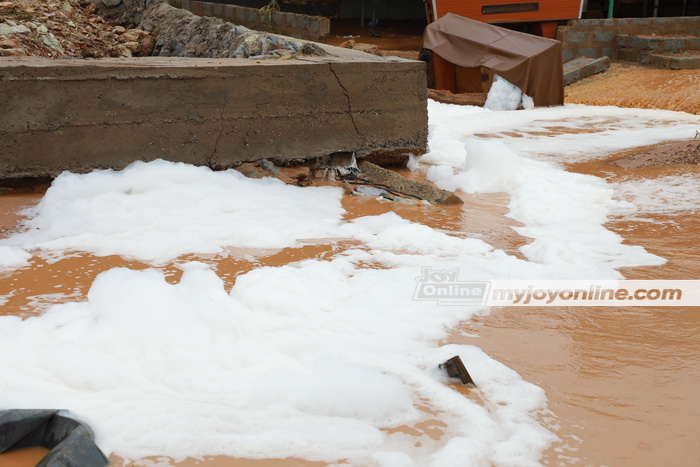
pixel 690 60
pixel 583 67
pixel 653 49
pixel 82 115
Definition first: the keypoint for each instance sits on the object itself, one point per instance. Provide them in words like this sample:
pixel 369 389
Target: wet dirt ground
pixel 620 382
pixel 628 84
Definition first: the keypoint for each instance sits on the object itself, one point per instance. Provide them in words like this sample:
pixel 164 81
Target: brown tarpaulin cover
pixel 532 63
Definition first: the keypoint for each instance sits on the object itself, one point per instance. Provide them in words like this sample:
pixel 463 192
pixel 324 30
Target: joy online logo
pixel 442 286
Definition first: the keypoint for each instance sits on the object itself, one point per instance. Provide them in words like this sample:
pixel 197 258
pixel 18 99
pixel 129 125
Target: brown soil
pixel 676 153
pixel 389 36
pixel 636 86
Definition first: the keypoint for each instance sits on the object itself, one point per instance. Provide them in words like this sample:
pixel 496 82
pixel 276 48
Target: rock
pixel 269 166
pixel 10 44
pixel 122 51
pixel 135 47
pixel 21 29
pixel 297 175
pixel 368 48
pixel 423 190
pixel 446 97
pixel 392 157
pixel 119 29
pixel 251 170
pixel 9 27
pixel 67 7
pixel 126 12
pixel 309 48
pixel 147 45
pixel 183 34
pixel 51 42
pixel 11 52
pixel 108 3
pixel 133 35
pixel 42 29
pixel 348 44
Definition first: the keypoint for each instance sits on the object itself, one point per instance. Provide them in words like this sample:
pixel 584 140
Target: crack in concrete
pixel 210 159
pixel 347 97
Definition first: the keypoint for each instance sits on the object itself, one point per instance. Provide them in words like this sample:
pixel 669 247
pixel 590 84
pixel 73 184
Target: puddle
pixel 622 382
pixel 25 457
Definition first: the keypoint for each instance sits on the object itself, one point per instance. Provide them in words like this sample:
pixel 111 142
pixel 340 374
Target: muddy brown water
pixel 621 382
pixel 25 457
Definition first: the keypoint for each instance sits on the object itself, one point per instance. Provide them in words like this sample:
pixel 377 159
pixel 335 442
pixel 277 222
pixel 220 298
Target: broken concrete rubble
pixel 423 190
pixel 56 30
pixel 184 34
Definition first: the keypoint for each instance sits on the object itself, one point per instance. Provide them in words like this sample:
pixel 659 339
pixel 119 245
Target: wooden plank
pixel 547 10
pixel 444 74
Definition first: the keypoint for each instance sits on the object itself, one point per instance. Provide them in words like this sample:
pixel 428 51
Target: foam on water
pixel 159 210
pixel 664 195
pixel 13 257
pixel 568 133
pixel 316 359
pixel 563 212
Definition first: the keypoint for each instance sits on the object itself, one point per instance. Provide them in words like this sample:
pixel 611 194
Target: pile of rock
pixel 183 34
pixel 65 28
pixel 128 28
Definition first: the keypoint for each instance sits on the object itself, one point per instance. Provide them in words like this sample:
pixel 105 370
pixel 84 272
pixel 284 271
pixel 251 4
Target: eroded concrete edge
pixel 79 116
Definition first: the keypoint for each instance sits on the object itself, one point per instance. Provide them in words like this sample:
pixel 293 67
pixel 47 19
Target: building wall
pixel 596 37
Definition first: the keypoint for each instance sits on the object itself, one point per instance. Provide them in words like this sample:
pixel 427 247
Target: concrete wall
pixel 81 115
pixel 314 28
pixel 596 37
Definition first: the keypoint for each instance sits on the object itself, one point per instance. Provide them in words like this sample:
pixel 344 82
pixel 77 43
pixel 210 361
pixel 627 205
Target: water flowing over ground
pixel 186 313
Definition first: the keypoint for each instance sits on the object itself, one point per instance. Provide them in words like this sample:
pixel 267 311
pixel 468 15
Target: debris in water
pixel 456 369
pixel 71 443
pixel 269 166
pixel 368 190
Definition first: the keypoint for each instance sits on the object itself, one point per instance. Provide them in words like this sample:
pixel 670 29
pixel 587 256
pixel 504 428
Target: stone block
pixel 591 52
pixel 108 113
pixel 604 36
pixel 577 37
pixel 583 67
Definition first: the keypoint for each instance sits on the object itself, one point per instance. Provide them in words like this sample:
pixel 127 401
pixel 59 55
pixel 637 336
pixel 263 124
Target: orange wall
pixel 548 10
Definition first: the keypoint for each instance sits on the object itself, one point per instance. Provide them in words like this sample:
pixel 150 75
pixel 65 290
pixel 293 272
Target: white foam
pixel 663 195
pixel 563 212
pixel 503 95
pixel 159 210
pixel 315 359
pixel 311 360
pixel 528 102
pixel 13 257
pixel 561 134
